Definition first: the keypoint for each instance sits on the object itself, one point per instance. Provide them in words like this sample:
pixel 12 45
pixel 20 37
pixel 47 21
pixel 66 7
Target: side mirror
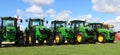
pixel 21 20
pixel 46 22
pixel 26 20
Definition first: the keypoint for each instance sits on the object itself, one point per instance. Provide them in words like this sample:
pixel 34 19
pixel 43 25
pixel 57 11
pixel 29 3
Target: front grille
pixel 11 32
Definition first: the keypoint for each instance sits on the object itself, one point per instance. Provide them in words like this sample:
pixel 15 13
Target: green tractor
pixel 37 31
pixel 10 31
pixel 61 33
pixel 102 32
pixel 81 32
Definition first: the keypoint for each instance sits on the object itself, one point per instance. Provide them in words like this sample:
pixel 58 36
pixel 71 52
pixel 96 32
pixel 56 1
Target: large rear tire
pixel 80 38
pixel 101 38
pixel 59 39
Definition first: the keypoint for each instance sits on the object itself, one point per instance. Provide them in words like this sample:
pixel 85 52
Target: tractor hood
pixel 10 29
pixel 40 27
pixel 42 30
pixel 82 28
pixel 103 30
pixel 62 28
pixel 9 33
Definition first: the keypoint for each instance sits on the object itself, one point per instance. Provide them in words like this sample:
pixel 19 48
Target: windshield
pixel 63 24
pixel 36 23
pixel 95 26
pixel 8 22
pixel 77 24
pixel 99 26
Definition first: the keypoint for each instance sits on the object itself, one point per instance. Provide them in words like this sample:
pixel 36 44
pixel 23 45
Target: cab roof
pixel 36 19
pixel 94 23
pixel 58 21
pixel 77 21
pixel 8 18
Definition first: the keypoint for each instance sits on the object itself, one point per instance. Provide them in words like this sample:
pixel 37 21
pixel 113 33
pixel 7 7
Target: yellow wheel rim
pixel 79 38
pixel 57 39
pixel 30 39
pixel 24 36
pixel 100 38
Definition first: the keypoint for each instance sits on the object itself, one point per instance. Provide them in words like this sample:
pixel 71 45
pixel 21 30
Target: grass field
pixel 81 49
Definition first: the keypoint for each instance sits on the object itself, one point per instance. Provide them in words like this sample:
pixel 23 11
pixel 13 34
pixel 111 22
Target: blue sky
pixel 91 10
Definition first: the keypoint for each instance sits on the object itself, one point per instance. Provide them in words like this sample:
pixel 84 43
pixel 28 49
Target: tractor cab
pixel 36 22
pixel 95 26
pixel 58 24
pixel 76 24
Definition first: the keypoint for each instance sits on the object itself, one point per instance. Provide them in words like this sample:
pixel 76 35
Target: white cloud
pixel 64 15
pixel 34 9
pixel 117 18
pixel 39 2
pixel 107 6
pixel 85 17
pixel 19 12
pixel 115 22
pixel 51 12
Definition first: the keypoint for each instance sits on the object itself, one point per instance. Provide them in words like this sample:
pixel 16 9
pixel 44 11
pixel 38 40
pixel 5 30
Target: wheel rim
pixel 30 39
pixel 57 39
pixel 100 38
pixel 79 38
pixel 24 36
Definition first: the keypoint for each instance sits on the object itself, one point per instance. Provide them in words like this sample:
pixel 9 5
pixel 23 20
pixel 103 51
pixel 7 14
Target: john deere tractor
pixel 81 32
pixel 102 33
pixel 37 31
pixel 61 33
pixel 10 31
